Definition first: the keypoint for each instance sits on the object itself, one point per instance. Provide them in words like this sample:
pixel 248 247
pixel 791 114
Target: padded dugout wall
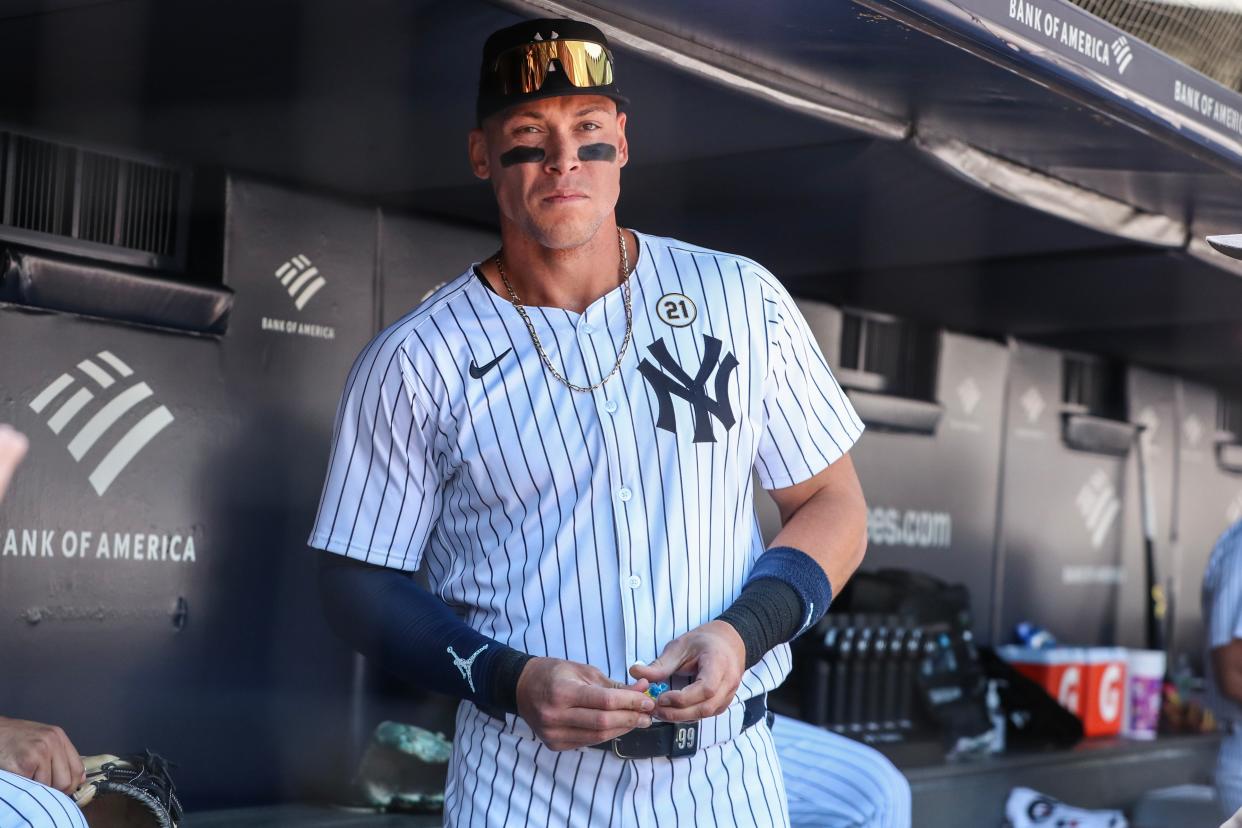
pixel 1152 401
pixel 418 254
pixel 222 662
pixel 931 497
pixel 1062 511
pixel 1209 500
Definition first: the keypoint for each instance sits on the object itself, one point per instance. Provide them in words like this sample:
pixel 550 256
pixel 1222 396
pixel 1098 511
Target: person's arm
pixel 383 614
pixel 389 413
pixel 825 522
pixel 40 752
pixel 826 517
pixel 1223 613
pixel 414 635
pixel 13 447
pixel 1227 667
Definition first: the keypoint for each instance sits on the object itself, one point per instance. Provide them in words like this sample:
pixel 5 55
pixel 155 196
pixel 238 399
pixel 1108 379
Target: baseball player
pixel 1221 601
pixel 1222 612
pixel 563 437
pixel 38 763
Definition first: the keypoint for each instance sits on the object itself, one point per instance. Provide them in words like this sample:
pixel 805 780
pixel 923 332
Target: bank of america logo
pixel 1099 505
pixel 1122 54
pixel 1032 403
pixel 301 279
pixel 93 401
pixel 969 394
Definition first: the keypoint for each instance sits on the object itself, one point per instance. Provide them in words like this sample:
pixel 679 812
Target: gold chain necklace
pixel 629 318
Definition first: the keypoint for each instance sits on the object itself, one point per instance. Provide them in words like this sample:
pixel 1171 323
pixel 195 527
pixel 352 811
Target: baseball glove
pixel 128 791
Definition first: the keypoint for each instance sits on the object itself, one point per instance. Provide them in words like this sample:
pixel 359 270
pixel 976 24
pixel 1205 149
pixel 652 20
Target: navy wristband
pixel 804 574
pixel 786 594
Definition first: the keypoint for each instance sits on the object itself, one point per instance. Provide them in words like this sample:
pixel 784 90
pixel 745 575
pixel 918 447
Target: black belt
pixel 673 739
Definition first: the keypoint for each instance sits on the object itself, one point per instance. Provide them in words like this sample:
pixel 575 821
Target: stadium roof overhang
pixel 1004 167
pixel 1026 169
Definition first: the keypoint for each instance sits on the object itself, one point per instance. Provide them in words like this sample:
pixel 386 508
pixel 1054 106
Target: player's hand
pixel 13 447
pixel 40 752
pixel 571 705
pixel 715 655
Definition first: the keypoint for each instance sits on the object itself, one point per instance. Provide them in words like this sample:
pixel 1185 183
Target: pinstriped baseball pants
pixel 497 778
pixel 27 804
pixel 835 782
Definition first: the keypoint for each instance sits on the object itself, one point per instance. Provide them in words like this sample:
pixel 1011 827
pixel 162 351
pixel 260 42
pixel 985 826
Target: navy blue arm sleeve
pixel 786 594
pixel 412 634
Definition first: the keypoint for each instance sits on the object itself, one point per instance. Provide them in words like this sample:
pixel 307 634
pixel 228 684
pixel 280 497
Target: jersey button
pixel 624 493
pixel 588 328
pixel 610 406
pixel 635 582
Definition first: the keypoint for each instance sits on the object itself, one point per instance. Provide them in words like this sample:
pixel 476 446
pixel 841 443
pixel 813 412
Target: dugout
pixel 991 231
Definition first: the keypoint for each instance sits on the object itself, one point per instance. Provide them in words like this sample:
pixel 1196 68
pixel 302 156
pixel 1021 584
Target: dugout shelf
pixel 1097 773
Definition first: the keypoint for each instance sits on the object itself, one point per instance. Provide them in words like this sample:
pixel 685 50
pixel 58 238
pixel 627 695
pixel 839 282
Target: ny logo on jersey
pixel 693 391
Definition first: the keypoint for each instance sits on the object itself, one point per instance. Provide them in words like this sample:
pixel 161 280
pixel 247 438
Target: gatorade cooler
pixel 1061 671
pixel 1104 691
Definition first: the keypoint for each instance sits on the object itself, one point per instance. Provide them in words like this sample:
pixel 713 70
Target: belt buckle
pixel 616 750
pixel 644 743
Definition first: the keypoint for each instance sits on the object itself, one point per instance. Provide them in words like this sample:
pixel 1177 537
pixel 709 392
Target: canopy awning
pixel 1017 167
pixel 997 166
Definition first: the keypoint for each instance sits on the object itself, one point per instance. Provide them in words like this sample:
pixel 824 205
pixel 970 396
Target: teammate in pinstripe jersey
pixel 1222 613
pixel 563 437
pixel 35 759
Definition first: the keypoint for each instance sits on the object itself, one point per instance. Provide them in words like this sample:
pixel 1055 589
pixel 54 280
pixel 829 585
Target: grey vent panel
pixel 41 181
pixel 97 221
pixel 93 204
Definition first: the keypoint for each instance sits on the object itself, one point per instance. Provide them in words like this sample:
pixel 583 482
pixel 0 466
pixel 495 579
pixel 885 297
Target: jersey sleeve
pixel 1224 621
pixel 808 421
pixel 382 491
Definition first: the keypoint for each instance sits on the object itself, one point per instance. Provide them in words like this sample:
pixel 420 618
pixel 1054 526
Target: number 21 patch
pixel 676 309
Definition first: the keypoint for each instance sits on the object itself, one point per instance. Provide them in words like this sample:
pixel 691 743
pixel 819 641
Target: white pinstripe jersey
pixel 594 527
pixel 25 803
pixel 1222 612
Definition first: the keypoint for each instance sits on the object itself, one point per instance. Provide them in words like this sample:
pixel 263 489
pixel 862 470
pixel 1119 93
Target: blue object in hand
pixel 656 689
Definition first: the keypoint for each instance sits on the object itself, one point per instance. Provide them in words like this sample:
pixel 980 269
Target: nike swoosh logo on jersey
pixel 477 371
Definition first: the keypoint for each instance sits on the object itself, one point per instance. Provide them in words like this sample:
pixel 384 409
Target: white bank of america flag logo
pixel 1122 54
pixel 301 279
pixel 1098 504
pixel 90 403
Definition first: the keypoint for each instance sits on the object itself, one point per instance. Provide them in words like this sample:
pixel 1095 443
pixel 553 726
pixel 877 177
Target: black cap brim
pixel 490 102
